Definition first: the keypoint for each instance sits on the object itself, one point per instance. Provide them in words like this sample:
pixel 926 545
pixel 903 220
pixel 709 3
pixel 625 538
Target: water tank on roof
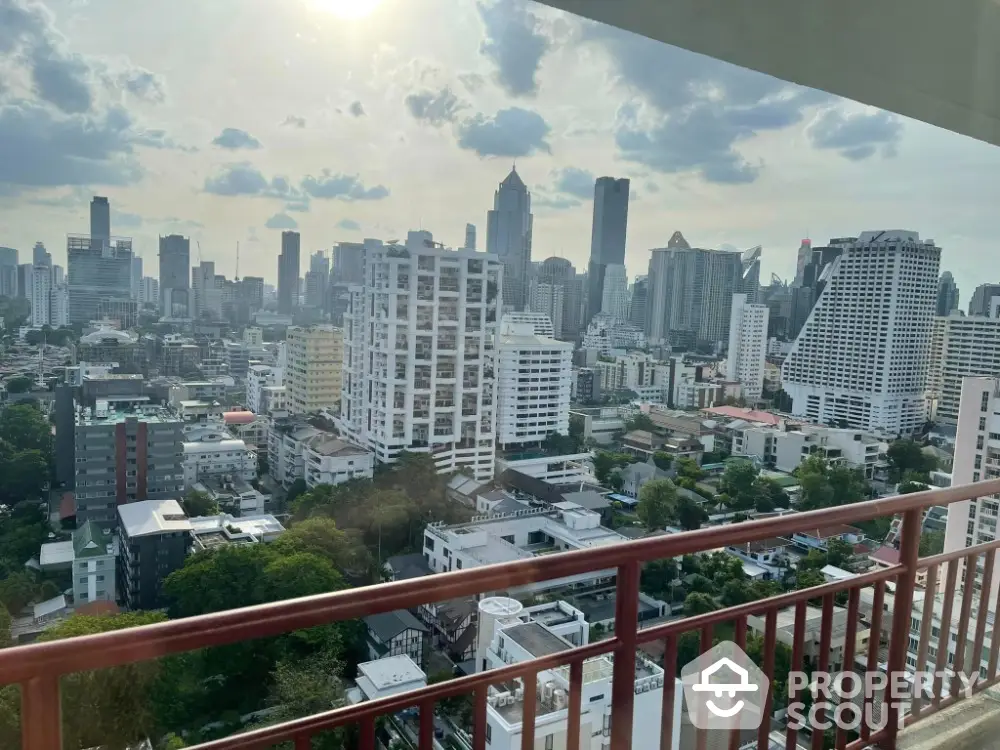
pixel 491 610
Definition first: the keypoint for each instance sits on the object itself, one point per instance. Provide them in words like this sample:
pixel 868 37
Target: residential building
pixel 48 295
pixel 634 476
pixel 508 238
pixel 607 237
pixel 100 220
pixel 985 300
pixel 588 385
pixel 784 447
pixel 558 471
pixel 136 276
pixel 819 538
pixel 608 335
pixel 233 494
pixel 314 374
pixel 100 273
pixel 273 398
pixel 960 347
pixel 546 299
pixel 258 378
pixel 559 273
pixel 288 273
pixel 418 353
pixel 212 532
pixel 860 360
pixel 635 371
pixel 747 346
pixel 769 554
pixel 690 293
pixel 154 538
pixel 785 630
pixel 93 564
pixel 470 237
pixel 206 292
pixel 600 423
pixel 211 451
pixel 123 457
pixel 385 677
pixel 348 263
pixel 175 277
pixel 395 633
pixel 977 456
pixel 947 295
pixel 330 460
pixel 149 291
pixel 539 324
pixel 318 280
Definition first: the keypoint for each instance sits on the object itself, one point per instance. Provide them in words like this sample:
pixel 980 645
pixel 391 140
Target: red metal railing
pixel 38 667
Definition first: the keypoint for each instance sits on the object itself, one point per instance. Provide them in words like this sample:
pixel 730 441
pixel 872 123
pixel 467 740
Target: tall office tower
pixel 750 284
pixel 288 273
pixel 206 292
pixel 40 256
pixel 961 346
pixel 8 272
pixel 253 292
pixel 100 275
pixel 747 346
pixel 614 301
pixel 24 280
pixel 318 280
pixel 814 276
pixel 985 301
pixel 470 236
pixel 977 449
pixel 547 299
pixel 100 220
pixel 149 291
pixel 508 236
pixel 418 356
pixel 136 276
pixel 531 407
pixel 175 277
pixel 607 237
pixel 639 301
pixel 315 369
pixel 801 260
pixel 947 296
pixel 860 360
pixel 348 263
pixel 690 293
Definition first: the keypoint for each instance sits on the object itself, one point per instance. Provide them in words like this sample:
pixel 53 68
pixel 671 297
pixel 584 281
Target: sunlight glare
pixel 349 9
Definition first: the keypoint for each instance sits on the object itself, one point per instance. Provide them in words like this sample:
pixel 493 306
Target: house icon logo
pixel 724 689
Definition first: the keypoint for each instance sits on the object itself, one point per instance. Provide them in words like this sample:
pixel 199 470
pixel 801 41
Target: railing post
pixel 626 630
pixel 41 714
pixel 901 612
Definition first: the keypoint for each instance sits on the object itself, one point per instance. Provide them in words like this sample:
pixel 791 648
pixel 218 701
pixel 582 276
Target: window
pixel 489 733
pixel 549 742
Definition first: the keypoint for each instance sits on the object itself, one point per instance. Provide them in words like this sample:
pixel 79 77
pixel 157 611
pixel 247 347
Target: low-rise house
pixel 770 554
pixel 405 567
pixel 634 476
pixel 233 494
pixel 395 633
pixel 785 633
pixel 642 444
pixel 89 557
pixel 819 538
pixel 211 532
pixel 330 460
pixel 382 678
pixel 452 626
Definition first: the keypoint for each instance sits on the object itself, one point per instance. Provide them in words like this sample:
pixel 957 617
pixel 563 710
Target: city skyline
pixel 572 104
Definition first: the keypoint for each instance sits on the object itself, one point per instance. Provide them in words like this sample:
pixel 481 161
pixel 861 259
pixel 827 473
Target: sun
pixel 348 9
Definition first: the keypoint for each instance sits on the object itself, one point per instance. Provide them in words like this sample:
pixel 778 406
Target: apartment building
pixel 258 378
pixel 315 368
pixel 329 460
pixel 534 379
pixel 747 346
pixel 210 450
pixel 154 539
pixel 860 360
pixel 785 448
pixel 419 360
pixel 548 299
pixel 539 323
pixel 123 457
pixel 961 347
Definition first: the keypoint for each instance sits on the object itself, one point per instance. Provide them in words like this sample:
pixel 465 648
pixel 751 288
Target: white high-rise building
pixel 548 299
pixel 40 288
pixel 977 456
pixel 961 347
pixel 540 323
pixel 614 296
pixel 860 360
pixel 315 367
pixel 418 357
pixel 48 294
pixel 149 291
pixel 747 346
pixel 534 379
pixel 59 305
pixel 260 377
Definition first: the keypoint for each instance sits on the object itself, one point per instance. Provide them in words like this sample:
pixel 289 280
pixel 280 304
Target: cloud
pixel 300 206
pixel 511 132
pixel 858 135
pixel 281 221
pixel 294 121
pixel 472 81
pixel 356 109
pixel 652 187
pixel 242 178
pixel 234 138
pixel 343 187
pixel 143 85
pixel 434 107
pixel 515 43
pixel 125 219
pixel 576 182
pixel 554 202
pixel 349 224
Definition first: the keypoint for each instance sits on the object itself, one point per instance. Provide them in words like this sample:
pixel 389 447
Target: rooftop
pixel 740 412
pixel 150 415
pixel 147 517
pixel 90 540
pixel 391 672
pixel 826 532
pixel 535 639
pixel 387 625
pixel 326 444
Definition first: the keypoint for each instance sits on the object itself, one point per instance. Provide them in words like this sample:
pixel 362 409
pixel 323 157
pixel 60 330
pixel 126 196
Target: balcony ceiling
pixel 932 60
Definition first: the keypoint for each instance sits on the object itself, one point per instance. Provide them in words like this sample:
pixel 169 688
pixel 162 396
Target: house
pixel 821 537
pixel 634 476
pixel 452 625
pixel 785 633
pixel 405 567
pixel 945 460
pixel 396 633
pixel 769 554
pixel 642 443
pixel 384 677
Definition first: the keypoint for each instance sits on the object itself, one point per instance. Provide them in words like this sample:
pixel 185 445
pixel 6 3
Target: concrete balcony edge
pixel 971 724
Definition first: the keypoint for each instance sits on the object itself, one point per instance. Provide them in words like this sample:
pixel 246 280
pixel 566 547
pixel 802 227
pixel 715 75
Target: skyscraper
pixel 40 256
pixel 860 361
pixel 947 295
pixel 206 292
pixel 175 277
pixel 802 260
pixel 470 236
pixel 8 272
pixel 100 275
pixel 614 301
pixel 136 276
pixel 508 236
pixel 318 280
pixel 607 237
pixel 100 219
pixel 639 301
pixel 747 346
pixel 288 273
pixel 982 300
pixel 348 263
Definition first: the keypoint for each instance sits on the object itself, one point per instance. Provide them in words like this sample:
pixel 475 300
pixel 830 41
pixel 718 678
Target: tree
pixel 25 474
pixel 110 708
pixel 700 584
pixel 805 579
pixel 656 503
pixel 688 514
pixel 847 484
pixel 908 487
pixel 735 592
pixel 839 553
pixel 662 460
pixel 198 503
pixel 5 623
pixel 616 481
pixel 640 422
pixel 657 576
pixel 698 604
pixel 298 487
pixel 19 384
pixel 768 491
pixel 344 550
pixel 17 591
pixel 25 428
pixel 738 482
pixel 931 543
pixel 907 455
pixel 560 445
pixel 689 469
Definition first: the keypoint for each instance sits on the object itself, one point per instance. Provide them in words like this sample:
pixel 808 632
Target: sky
pixel 231 120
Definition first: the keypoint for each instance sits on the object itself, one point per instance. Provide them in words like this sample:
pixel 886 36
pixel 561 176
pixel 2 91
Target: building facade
pixel 508 237
pixel 961 346
pixel 100 272
pixel 861 359
pixel 747 346
pixel 154 539
pixel 947 295
pixel 288 273
pixel 175 276
pixel 315 368
pixel 985 300
pixel 210 451
pixel 418 354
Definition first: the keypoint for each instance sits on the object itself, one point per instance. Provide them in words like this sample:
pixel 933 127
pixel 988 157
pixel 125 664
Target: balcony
pixel 39 667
